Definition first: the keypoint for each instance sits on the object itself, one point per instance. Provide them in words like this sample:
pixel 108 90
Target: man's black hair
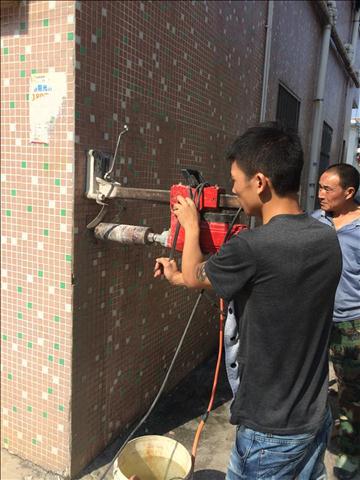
pixel 273 150
pixel 348 175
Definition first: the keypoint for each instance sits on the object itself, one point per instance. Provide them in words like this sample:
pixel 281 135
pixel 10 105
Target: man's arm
pixel 193 265
pixel 193 273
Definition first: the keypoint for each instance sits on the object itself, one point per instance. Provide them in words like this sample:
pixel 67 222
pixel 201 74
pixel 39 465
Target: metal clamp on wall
pixel 100 181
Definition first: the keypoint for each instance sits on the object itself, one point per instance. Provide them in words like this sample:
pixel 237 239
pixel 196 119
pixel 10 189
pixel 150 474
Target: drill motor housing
pixel 214 221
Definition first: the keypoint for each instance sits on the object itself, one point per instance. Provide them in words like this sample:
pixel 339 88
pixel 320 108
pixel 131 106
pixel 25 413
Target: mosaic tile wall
pixel 178 74
pixel 36 236
pixel 87 334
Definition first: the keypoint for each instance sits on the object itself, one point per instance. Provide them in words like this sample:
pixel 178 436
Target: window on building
pixel 288 108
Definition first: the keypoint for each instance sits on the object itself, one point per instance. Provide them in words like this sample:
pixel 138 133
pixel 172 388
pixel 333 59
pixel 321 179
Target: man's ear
pixel 261 182
pixel 349 193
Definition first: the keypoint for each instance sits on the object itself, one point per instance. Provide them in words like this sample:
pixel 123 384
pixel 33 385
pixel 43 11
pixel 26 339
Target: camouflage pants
pixel 345 355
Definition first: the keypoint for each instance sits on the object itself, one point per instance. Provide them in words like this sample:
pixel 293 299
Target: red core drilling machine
pixel 216 208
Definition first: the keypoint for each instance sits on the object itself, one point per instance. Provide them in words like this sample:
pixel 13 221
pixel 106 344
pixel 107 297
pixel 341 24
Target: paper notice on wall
pixel 47 93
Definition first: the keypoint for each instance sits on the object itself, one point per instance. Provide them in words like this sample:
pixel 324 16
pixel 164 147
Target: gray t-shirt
pixel 282 277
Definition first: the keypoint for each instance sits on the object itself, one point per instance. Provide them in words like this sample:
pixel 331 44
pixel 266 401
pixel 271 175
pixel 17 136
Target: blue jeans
pixel 257 455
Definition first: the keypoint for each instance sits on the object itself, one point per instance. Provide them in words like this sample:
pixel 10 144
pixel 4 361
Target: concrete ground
pixel 176 415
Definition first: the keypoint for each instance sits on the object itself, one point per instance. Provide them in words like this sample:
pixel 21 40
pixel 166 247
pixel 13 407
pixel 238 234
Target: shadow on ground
pixel 187 401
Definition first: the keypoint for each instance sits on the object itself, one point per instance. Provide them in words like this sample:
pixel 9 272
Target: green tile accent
pixel 87 101
pixel 46 232
pixel 22 73
pixel 46 166
pixel 10 376
pixel 20 335
pixel 146 16
pixel 125 39
pixel 22 58
pixel 19 289
pixel 45 414
pixel 8 213
pixel 13 193
pixel 40 273
pixel 63 212
pixel 116 73
pixel 14 409
pixel 56 318
pixel 50 358
pixel 33 70
pixel 22 25
pixel 62 285
pixel 57 182
pixel 6 51
pixel 50 390
pixel 46 22
pixel 56 346
pixel 82 50
pixel 77 115
pixel 33 441
pixel 27 97
pixel 23 164
pixel 12 104
pixel 68 258
pixel 117 50
pixel 19 315
pixel 61 408
pixel 6 440
pixel 29 345
pixel 29 408
pixel 4 337
pixel 61 361
pixel 29 305
pixel 29 208
pixel 98 32
pixel 70 36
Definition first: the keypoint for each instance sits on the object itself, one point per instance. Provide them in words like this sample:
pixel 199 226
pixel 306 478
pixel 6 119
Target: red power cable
pixel 215 382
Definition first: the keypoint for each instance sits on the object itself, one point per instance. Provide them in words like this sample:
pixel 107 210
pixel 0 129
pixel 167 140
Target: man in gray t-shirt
pixel 281 278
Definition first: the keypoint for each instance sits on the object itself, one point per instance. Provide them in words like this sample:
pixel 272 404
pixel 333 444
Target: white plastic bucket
pixel 153 457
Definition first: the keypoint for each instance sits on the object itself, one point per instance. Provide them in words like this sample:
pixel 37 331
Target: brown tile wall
pixel 186 77
pixel 178 74
pixel 36 234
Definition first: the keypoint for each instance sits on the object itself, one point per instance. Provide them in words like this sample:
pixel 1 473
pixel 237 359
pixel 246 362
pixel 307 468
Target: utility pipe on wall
pixel 318 113
pixel 325 10
pixel 266 69
pixel 355 35
pixel 265 84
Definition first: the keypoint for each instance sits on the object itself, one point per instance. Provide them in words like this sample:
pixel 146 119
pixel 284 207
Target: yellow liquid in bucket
pixel 157 468
pixel 153 457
